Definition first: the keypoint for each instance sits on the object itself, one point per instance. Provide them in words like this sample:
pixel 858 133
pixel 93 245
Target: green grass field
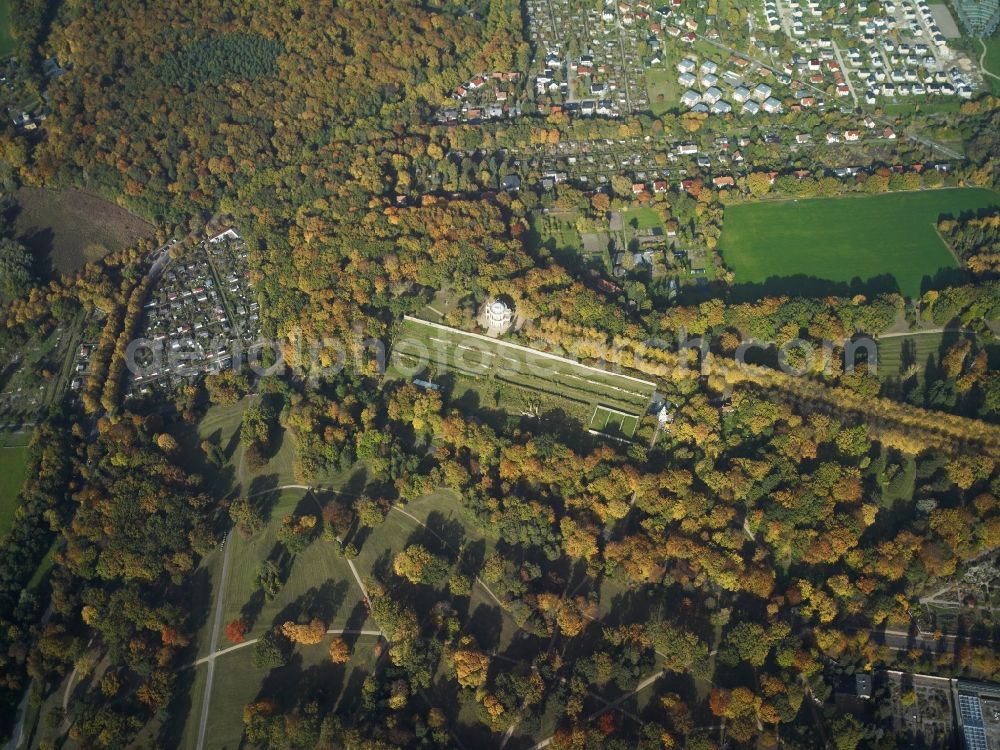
pixel 322 582
pixel 555 232
pixel 890 352
pixel 496 366
pixel 238 682
pixel 6 38
pixel 662 81
pixel 13 453
pixel 316 574
pixel 613 422
pixel 643 218
pixel 992 62
pixel 841 239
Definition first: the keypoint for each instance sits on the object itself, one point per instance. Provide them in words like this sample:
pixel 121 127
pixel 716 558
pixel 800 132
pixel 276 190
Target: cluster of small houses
pixel 727 181
pixel 199 318
pixel 81 365
pixel 900 52
pixel 484 97
pixel 621 42
pixel 710 76
pixel 592 164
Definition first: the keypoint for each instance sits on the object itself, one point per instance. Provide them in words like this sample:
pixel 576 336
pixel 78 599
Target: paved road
pixel 244 644
pixel 846 73
pixel 216 624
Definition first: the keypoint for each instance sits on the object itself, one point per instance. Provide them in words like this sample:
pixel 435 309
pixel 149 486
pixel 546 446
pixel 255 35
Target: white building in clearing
pixel 496 317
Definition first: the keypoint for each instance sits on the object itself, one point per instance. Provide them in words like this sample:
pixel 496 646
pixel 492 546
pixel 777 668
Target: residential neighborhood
pixel 201 317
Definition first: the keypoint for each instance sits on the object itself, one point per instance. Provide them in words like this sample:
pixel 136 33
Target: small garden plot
pixel 614 422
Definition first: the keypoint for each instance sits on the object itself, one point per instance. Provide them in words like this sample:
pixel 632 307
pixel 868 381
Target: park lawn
pixel 445 300
pixel 316 575
pixel 662 81
pixel 495 367
pixel 842 239
pixel 903 487
pixel 238 682
pixel 65 229
pixel 12 473
pixel 992 62
pixel 930 106
pixel 6 37
pixel 220 426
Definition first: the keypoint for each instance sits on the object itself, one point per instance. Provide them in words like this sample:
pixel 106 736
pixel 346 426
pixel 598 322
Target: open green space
pixel 643 218
pixel 991 62
pixel 13 454
pixel 613 422
pixel 238 682
pixel 6 37
pixel 822 245
pixel 664 91
pixel 554 232
pixel 316 578
pixel 918 348
pixel 66 229
pixel 496 366
pixel 318 582
pixel 931 106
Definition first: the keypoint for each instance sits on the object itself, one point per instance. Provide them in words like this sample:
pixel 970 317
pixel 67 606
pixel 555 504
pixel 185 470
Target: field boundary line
pixel 528 350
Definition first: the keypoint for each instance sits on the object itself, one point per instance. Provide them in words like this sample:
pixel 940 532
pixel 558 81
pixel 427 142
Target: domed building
pixel 497 316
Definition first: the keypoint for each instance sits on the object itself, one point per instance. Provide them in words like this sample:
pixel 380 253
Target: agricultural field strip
pixel 623 395
pixel 577 392
pixel 527 350
pixel 609 415
pixel 529 383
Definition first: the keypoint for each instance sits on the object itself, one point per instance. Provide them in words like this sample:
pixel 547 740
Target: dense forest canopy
pixel 750 542
pixel 219 98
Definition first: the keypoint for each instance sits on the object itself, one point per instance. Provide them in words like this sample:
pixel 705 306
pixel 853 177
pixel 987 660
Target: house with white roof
pixel 761 92
pixel 772 106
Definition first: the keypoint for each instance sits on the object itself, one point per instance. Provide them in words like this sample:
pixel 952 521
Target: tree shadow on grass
pixel 230 449
pixel 382 566
pixel 321 602
pixel 802 285
pixel 945 277
pixel 263 494
pixel 439 533
pixel 486 624
pixel 40 243
pixel 355 621
pixel 355 484
pixel 250 611
pixel 473 555
pixel 179 710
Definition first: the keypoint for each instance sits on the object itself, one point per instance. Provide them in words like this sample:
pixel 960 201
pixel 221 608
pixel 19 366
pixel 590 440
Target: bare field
pixel 66 229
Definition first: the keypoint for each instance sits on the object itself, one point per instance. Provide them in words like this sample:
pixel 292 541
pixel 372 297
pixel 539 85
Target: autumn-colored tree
pixel 167 443
pixel 471 666
pixel 236 631
pixel 297 532
pixel 306 634
pixel 340 652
